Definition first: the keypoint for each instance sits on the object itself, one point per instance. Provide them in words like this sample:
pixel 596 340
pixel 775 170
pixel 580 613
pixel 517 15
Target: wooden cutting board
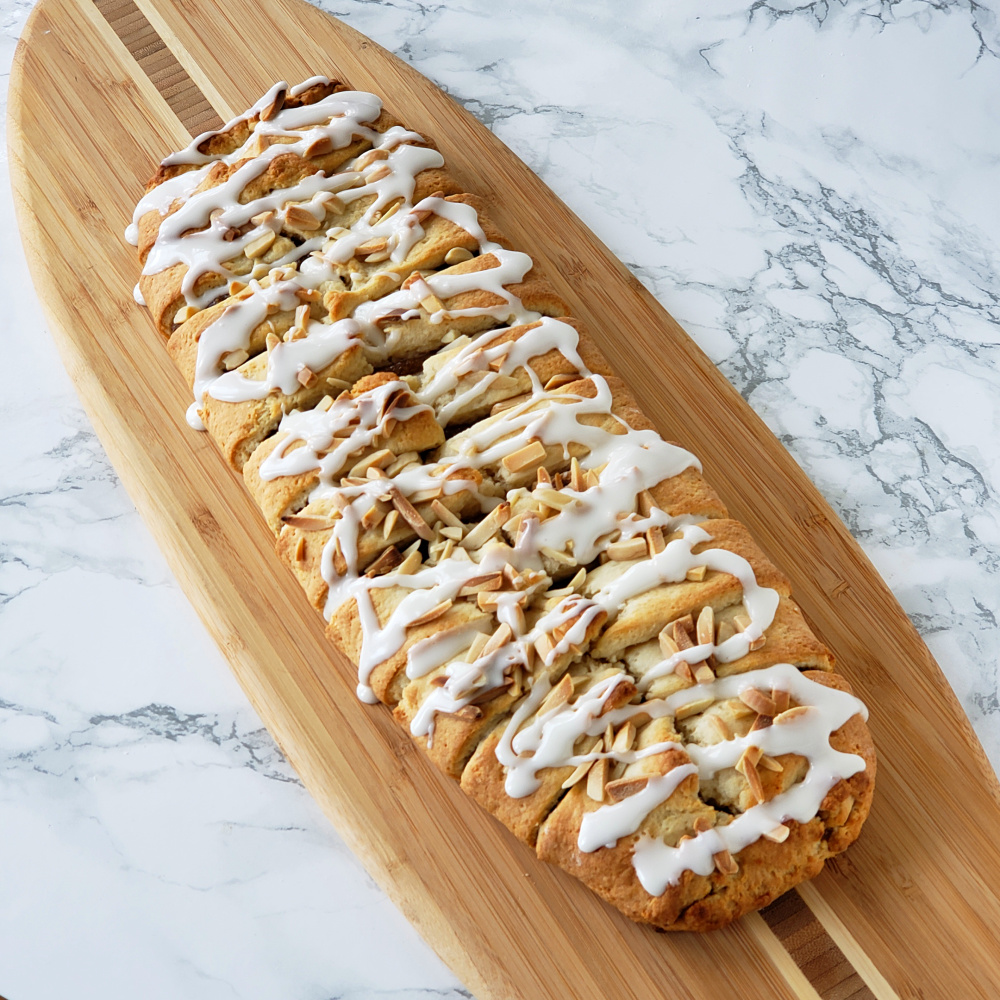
pixel 100 92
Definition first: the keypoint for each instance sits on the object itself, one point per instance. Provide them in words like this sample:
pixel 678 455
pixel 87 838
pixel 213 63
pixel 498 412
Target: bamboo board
pixel 100 91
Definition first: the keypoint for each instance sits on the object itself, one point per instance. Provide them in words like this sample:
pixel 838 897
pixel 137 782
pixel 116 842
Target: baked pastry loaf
pixel 547 594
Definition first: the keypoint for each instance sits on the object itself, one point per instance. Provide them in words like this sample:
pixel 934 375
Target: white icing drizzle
pixel 201 230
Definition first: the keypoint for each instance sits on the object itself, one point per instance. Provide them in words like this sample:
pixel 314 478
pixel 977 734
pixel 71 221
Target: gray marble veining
pixel 808 187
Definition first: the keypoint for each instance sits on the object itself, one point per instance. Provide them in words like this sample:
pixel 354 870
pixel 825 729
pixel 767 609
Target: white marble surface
pixel 831 238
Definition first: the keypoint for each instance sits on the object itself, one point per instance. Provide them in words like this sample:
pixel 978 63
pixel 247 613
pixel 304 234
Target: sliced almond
pixel 693 708
pixel 306 376
pixel 696 574
pixel 300 549
pixel 234 359
pixel 758 701
pixel 457 255
pixel 308 522
pixel 389 559
pixel 184 314
pixel 500 637
pixel 410 514
pixel 445 515
pixel 725 863
pixel 478 584
pixel 779 834
pixel 705 628
pixel 624 787
pixel 526 457
pixel 790 714
pixel 432 615
pixel 371 246
pixel 668 647
pixel 301 218
pixel 780 699
pixel 487 527
pixel 627 549
pixel 596 778
pixel 260 246
pixel 654 539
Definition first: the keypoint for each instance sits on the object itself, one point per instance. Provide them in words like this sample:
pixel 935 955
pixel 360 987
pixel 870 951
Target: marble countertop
pixel 810 189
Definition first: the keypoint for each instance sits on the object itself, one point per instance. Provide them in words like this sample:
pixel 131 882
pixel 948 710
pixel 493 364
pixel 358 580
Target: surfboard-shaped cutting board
pixel 100 92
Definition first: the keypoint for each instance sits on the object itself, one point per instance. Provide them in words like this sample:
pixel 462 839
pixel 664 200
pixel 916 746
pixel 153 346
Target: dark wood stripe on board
pixel 160 65
pixel 813 950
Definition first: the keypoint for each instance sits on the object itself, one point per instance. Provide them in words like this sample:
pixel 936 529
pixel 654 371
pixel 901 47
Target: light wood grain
pixel 913 902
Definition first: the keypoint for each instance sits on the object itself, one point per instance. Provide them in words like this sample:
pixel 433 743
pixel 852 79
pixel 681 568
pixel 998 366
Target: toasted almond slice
pixel 319 147
pixel 645 503
pixel 791 714
pixel 627 549
pixel 530 455
pixel 377 258
pixel 741 622
pixel 668 647
pixel 500 637
pixel 693 708
pixel 556 556
pixel 306 376
pixel 487 527
pixel 259 246
pixel 375 515
pixel 234 359
pixel 578 774
pixel 263 218
pixel 423 496
pixel 411 560
pixel 622 788
pixel 596 778
pixel 478 584
pixel 376 460
pixel 705 628
pixel 720 727
pixel 553 497
pixel 432 304
pixel 696 574
pixel 377 174
pixel 624 738
pixel 389 523
pixel 445 515
pixel 761 722
pixel 300 549
pixel 682 636
pixel 757 643
pixel 333 204
pixel 410 514
pixel 702 824
pixel 389 559
pixel 436 612
pixel 476 649
pixel 684 671
pixel 779 834
pixel 724 631
pixel 770 763
pixel 725 863
pixel 544 647
pixel 301 218
pixel 325 403
pixel 371 246
pixel 453 534
pixel 576 476
pixel 308 522
pixel 780 699
pixel 704 674
pixel 558 696
pixel 457 255
pixel 758 701
pixel 654 539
